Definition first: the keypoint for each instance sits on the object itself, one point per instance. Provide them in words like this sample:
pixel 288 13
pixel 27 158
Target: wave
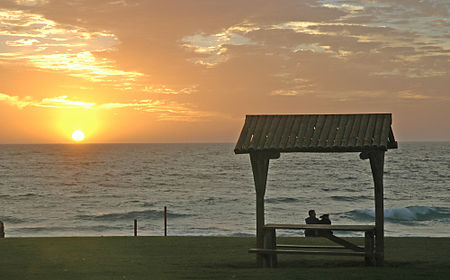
pixel 146 214
pixel 349 178
pixel 407 214
pixel 349 198
pixel 242 234
pixel 216 200
pixel 13 220
pixel 281 200
pixel 19 196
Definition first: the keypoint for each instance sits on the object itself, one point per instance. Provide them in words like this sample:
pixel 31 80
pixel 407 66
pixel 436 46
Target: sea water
pixel 99 189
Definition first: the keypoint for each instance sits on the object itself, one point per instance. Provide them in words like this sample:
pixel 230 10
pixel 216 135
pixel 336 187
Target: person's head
pixel 312 213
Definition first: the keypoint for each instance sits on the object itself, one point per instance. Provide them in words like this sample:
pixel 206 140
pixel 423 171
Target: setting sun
pixel 78 135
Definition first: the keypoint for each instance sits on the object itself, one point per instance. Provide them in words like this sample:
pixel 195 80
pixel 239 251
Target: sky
pixel 190 70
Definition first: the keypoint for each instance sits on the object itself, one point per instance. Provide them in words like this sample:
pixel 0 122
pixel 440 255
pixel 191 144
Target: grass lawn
pixel 207 258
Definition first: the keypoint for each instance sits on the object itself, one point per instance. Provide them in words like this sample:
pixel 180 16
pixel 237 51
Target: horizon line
pixel 206 142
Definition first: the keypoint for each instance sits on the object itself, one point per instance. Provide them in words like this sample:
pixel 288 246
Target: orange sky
pixel 189 71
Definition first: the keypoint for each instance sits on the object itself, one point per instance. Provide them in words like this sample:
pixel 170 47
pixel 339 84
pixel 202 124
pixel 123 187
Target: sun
pixel 78 135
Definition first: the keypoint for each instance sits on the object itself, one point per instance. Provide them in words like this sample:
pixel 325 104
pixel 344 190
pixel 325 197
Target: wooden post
pixel 2 230
pixel 135 227
pixel 368 247
pixel 260 167
pixel 270 243
pixel 165 220
pixel 377 166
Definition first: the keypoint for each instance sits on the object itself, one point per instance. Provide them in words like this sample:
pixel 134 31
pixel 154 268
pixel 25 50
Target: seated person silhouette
pixel 311 220
pixel 325 219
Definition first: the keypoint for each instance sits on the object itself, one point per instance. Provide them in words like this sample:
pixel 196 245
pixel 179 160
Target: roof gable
pixel 316 133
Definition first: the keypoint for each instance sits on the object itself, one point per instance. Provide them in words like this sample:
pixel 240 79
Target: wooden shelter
pixel 264 137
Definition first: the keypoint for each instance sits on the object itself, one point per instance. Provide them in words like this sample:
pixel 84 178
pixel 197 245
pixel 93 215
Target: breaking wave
pixel 407 214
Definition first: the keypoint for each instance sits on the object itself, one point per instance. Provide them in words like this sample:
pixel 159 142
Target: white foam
pixel 410 213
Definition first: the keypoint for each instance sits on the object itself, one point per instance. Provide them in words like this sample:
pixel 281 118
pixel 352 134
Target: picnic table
pixel 345 248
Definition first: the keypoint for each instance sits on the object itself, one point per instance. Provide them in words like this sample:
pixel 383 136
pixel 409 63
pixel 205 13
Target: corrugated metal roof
pixel 316 133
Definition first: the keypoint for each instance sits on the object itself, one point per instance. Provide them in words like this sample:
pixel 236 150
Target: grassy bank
pixel 206 258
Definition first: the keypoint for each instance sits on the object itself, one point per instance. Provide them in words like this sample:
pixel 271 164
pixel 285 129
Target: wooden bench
pixel 345 248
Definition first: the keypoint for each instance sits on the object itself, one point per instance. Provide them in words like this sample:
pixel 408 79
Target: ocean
pixel 99 189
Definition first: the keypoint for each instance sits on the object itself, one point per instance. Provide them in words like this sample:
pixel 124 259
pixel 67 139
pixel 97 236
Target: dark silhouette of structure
pixel 264 137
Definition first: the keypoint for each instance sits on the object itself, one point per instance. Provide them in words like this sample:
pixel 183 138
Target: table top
pixel 322 226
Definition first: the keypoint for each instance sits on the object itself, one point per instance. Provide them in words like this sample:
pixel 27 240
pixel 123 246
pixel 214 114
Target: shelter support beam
pixel 260 167
pixel 377 165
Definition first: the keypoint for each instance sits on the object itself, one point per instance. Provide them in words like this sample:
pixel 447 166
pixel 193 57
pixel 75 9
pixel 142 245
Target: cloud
pixel 410 95
pixel 165 90
pixel 284 92
pixel 33 39
pixel 345 7
pixel 31 2
pixel 166 110
pixel 63 102
pixel 84 65
pixel 16 101
pixel 372 49
pixel 21 42
pixel 122 3
pixel 56 102
pixel 213 47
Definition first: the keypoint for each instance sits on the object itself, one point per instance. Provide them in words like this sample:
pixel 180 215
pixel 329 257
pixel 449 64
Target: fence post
pixel 165 220
pixel 135 227
pixel 2 230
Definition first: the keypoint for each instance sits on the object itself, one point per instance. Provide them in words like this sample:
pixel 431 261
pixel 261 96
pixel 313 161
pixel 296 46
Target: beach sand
pixel 207 258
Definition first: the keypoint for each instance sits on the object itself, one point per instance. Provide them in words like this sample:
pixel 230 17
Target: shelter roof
pixel 316 133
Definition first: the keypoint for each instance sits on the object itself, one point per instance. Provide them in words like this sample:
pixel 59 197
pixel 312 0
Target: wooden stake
pixel 2 230
pixel 165 221
pixel 135 227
